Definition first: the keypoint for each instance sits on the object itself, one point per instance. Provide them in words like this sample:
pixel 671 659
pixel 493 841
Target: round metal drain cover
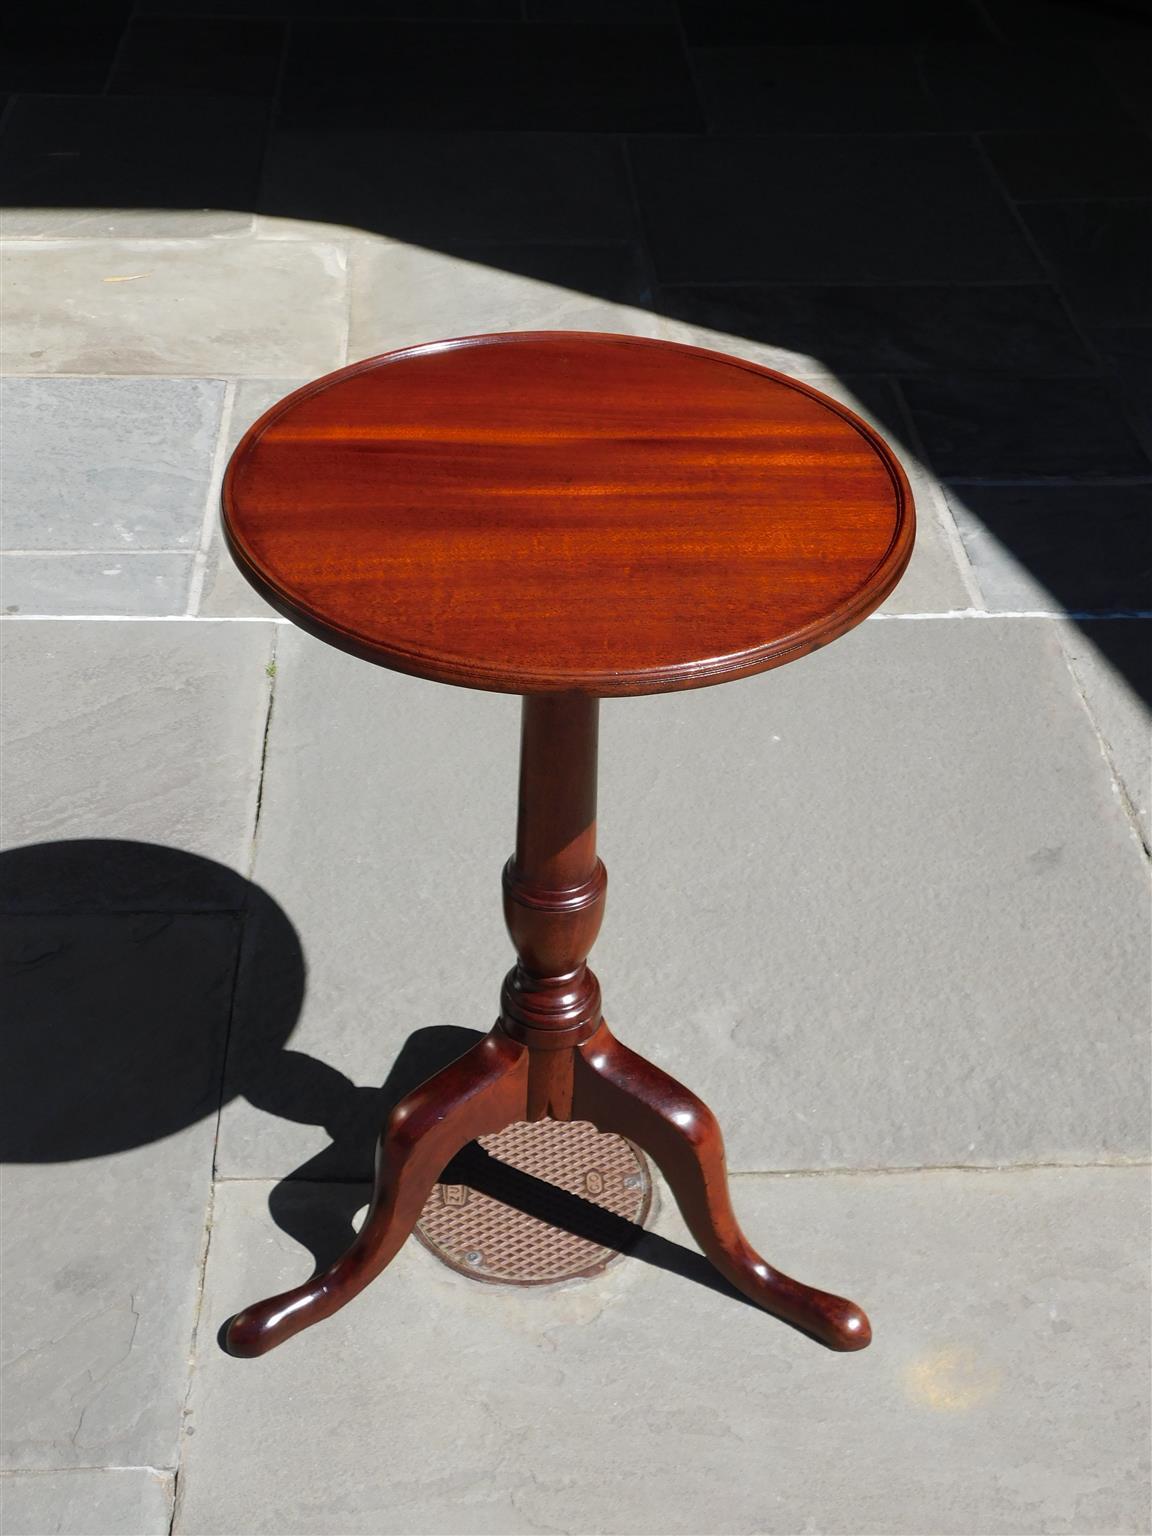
pixel 538 1203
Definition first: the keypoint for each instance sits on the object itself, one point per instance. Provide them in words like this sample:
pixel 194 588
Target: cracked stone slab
pixel 116 1031
pixel 1005 1389
pixel 1112 663
pixel 879 907
pixel 87 1501
pixel 151 732
pixel 215 307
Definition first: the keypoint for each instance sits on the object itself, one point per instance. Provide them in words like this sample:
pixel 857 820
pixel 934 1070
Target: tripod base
pixel 500 1082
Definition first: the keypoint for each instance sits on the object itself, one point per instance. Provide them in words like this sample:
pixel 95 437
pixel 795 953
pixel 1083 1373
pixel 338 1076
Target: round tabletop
pixel 539 511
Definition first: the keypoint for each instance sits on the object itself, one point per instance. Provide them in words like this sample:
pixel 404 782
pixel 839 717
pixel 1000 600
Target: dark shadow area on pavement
pixel 146 988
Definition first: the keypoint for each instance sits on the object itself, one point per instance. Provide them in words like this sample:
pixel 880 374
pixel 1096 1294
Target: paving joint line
pixel 1119 788
pixel 209 1210
pixel 272 118
pixel 886 1170
pixel 879 1171
pixel 351 265
pixel 107 554
pixel 264 743
pixel 642 244
pixel 94 1467
pixel 197 1316
pixel 117 57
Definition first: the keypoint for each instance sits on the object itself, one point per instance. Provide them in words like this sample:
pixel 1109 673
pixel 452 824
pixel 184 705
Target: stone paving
pixel 885 909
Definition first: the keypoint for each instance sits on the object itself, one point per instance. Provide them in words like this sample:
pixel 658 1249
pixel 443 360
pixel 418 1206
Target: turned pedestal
pixel 564 516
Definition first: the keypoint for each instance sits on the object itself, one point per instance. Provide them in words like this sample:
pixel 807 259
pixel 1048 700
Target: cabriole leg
pixel 481 1093
pixel 619 1091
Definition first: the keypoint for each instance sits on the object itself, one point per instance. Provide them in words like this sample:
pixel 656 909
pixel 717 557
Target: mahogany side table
pixel 564 516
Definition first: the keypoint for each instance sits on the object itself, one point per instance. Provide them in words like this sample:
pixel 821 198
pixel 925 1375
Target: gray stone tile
pixel 1011 329
pixel 728 209
pixel 874 86
pixel 1097 250
pixel 1066 165
pixel 108 1501
pixel 814 87
pixel 1043 82
pixel 364 72
pixel 476 10
pixel 224 592
pixel 1023 429
pixel 403 294
pixel 886 892
pixel 1085 549
pixel 1068 18
pixel 196 307
pixel 1136 385
pixel 1112 663
pixel 364 1000
pixel 198 56
pixel 1128 350
pixel 147 166
pixel 108 464
pixel 41 55
pixel 813 21
pixel 272 226
pixel 874 915
pixel 116 1031
pixel 431 187
pixel 143 585
pixel 1010 1312
pixel 600 10
pixel 144 731
pixel 81 223
pixel 1128 65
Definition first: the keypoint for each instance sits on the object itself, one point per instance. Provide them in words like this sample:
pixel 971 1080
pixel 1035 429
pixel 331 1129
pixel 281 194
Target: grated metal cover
pixel 538 1203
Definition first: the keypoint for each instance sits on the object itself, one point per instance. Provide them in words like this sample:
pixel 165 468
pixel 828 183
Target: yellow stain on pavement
pixel 951 1380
